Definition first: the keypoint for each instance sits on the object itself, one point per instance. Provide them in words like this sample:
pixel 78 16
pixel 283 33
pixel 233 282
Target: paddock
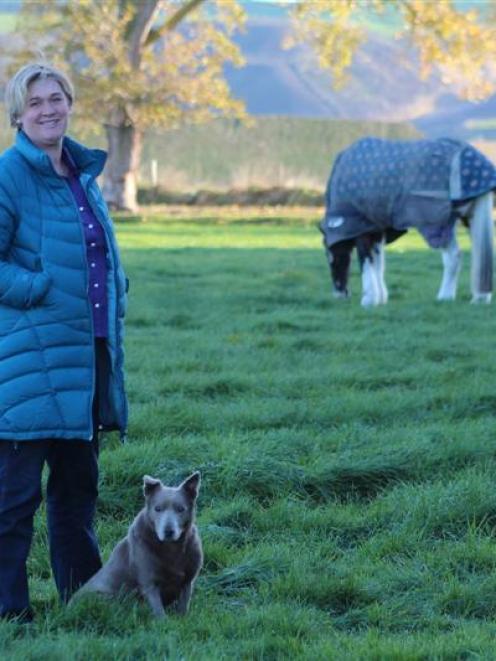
pixel 347 456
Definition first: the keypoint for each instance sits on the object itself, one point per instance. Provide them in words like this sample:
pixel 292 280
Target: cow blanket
pixel 389 186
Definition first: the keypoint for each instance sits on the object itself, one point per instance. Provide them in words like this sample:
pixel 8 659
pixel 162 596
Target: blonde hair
pixel 17 87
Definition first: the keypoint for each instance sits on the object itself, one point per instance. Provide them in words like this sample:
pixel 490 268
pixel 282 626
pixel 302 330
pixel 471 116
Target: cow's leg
pixel 371 267
pixel 339 258
pixel 481 232
pixel 452 262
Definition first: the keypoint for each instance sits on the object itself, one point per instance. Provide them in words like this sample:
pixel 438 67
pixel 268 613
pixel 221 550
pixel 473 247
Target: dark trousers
pixel 71 500
pixel 72 491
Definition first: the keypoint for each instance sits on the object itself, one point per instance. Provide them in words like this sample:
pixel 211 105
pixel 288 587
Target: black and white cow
pixel 378 189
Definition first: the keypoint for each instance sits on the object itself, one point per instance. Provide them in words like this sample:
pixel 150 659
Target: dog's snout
pixel 169 533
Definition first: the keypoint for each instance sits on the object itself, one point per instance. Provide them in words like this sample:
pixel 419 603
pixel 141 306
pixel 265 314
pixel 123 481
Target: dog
pixel 161 555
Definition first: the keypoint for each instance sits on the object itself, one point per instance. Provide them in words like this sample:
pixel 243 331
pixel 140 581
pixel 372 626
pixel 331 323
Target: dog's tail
pixel 481 231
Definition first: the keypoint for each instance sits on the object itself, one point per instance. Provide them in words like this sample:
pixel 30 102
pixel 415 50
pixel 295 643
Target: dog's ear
pixel 150 484
pixel 191 485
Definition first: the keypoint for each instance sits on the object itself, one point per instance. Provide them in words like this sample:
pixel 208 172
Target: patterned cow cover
pixel 380 185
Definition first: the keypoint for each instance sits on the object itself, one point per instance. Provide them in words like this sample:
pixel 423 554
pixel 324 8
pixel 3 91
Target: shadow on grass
pixel 244 576
pixel 269 479
pixel 355 482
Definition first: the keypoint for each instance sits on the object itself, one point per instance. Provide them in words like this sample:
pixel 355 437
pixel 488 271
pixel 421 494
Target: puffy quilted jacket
pixel 47 371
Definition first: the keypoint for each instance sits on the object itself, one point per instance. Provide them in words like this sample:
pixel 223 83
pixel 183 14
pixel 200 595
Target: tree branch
pixel 141 30
pixel 172 22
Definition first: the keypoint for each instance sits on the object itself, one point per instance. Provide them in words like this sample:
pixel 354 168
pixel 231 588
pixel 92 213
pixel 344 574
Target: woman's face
pixel 46 113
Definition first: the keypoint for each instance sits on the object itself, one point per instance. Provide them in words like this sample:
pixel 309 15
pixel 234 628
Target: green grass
pixel 272 151
pixel 8 21
pixel 481 124
pixel 348 456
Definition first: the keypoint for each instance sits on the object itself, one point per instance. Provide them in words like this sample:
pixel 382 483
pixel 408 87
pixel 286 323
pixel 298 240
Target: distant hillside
pixel 384 84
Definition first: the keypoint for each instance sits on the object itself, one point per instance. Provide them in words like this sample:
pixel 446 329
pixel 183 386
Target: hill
pixel 384 84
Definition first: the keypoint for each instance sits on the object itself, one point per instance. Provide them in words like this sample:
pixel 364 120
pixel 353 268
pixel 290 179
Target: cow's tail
pixel 481 231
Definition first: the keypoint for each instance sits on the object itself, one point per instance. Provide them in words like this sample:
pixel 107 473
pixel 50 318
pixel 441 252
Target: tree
pixel 460 44
pixel 137 64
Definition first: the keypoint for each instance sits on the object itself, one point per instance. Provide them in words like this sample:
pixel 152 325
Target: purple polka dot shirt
pixel 96 252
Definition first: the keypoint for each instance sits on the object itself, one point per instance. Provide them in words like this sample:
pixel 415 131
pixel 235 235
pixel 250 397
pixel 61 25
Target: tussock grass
pixel 347 505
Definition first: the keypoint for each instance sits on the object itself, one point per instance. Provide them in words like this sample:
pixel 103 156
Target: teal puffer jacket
pixel 47 353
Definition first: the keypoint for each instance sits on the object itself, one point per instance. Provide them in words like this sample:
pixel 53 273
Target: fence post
pixel 154 171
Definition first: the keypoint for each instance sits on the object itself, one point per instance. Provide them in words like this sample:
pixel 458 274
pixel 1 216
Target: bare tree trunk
pixel 120 175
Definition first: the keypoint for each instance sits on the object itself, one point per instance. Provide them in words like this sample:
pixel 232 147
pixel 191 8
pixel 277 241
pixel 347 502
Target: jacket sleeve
pixel 19 287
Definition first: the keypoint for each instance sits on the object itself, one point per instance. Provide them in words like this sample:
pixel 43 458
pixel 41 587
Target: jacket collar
pixel 86 161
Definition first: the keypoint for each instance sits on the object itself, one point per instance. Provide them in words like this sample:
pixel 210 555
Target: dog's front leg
pixel 182 603
pixel 152 595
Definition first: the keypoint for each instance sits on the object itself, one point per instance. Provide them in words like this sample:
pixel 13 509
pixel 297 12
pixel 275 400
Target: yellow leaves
pixel 327 25
pixel 460 45
pixel 232 14
pixel 178 74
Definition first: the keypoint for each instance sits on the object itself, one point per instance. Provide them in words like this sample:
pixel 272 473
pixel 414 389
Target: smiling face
pixel 46 113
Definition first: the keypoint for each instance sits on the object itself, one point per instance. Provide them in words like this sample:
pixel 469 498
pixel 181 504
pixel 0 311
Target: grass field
pixel 272 151
pixel 348 507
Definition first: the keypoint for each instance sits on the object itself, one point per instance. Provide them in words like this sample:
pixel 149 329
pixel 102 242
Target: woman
pixel 62 302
